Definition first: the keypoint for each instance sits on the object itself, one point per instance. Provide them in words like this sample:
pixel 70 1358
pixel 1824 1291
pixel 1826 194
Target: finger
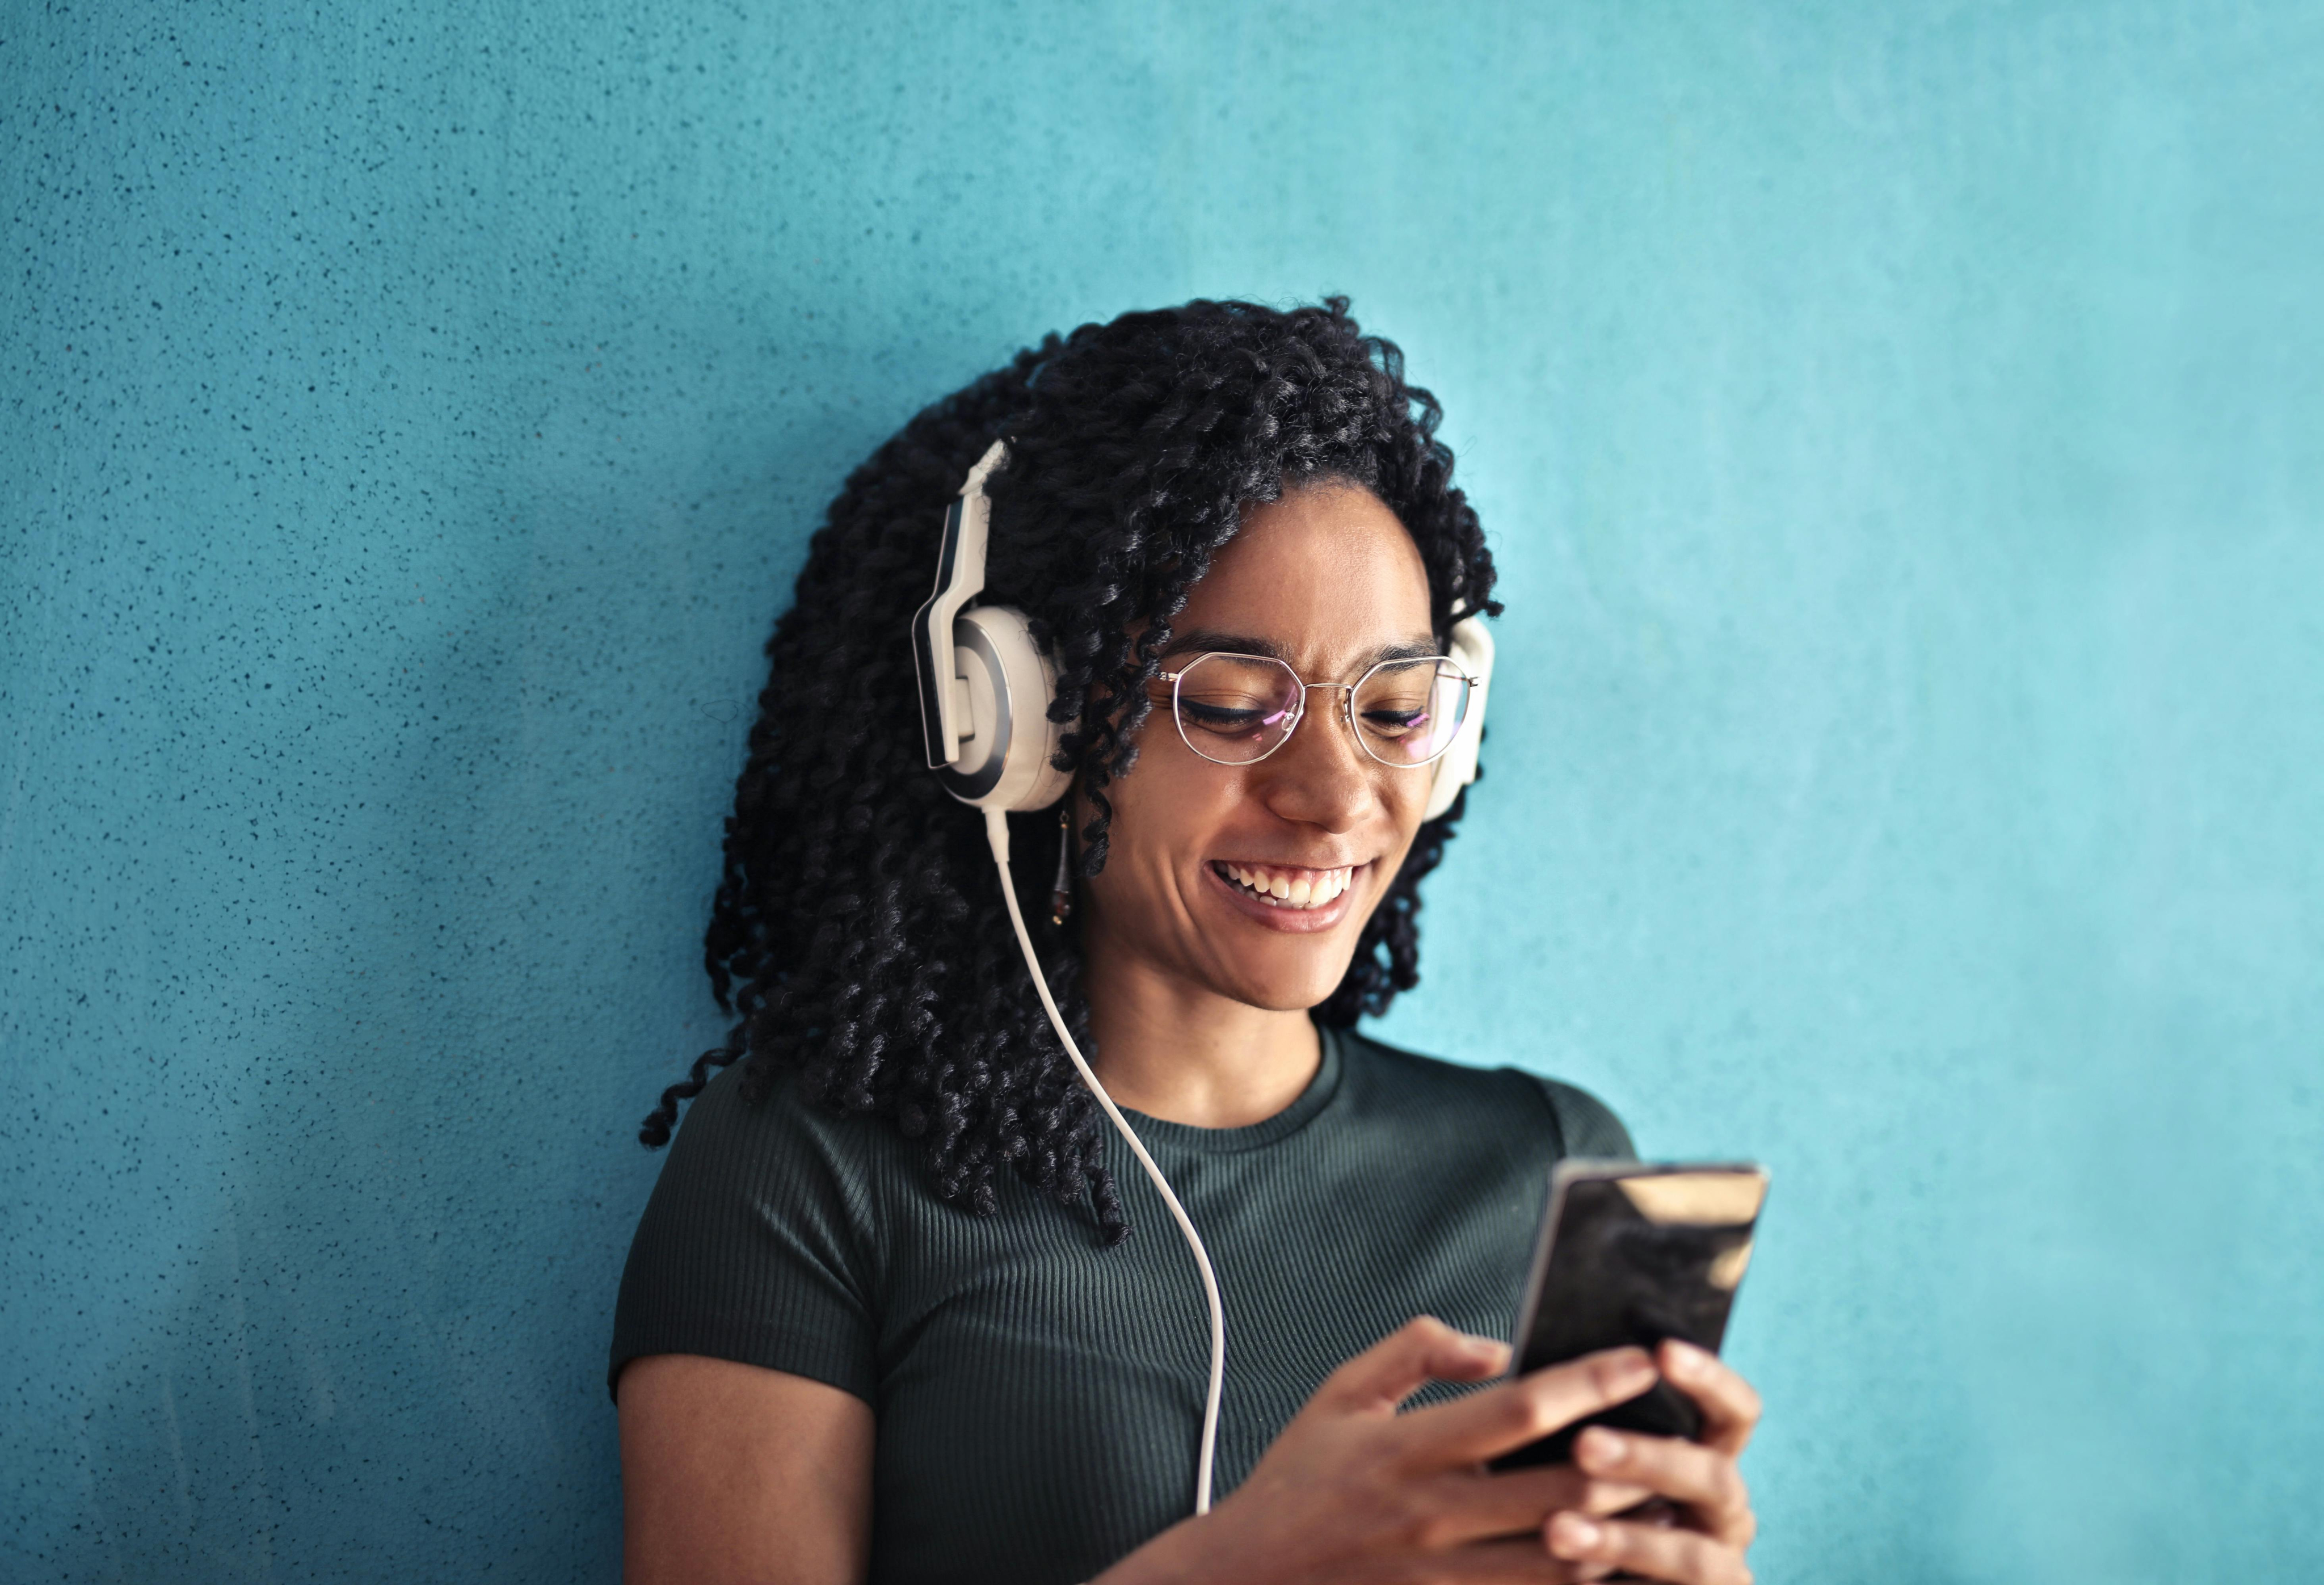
pixel 1465 1507
pixel 1488 1424
pixel 1681 1557
pixel 1423 1349
pixel 1703 1478
pixel 1505 1562
pixel 1730 1408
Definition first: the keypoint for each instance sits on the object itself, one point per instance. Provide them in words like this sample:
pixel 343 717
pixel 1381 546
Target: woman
pixel 885 1317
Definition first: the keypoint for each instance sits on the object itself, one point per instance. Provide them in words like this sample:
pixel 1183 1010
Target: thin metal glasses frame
pixel 1299 714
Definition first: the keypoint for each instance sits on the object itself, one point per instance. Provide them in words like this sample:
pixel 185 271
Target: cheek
pixel 1404 806
pixel 1405 796
pixel 1168 809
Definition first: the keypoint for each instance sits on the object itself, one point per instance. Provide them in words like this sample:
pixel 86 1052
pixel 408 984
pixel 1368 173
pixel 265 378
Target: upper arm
pixel 756 1246
pixel 744 1354
pixel 733 1474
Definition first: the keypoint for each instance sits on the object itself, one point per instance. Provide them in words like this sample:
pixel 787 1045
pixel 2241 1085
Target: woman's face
pixel 1326 579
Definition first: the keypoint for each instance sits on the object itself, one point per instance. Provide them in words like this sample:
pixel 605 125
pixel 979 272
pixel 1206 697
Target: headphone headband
pixel 960 577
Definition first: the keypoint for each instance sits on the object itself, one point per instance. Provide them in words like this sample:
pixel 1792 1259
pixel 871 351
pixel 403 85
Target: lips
pixel 1286 886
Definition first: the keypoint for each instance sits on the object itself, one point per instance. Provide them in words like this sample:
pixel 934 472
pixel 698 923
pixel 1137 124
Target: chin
pixel 1295 988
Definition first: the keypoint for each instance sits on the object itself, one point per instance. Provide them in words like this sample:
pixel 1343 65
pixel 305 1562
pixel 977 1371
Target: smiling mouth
pixel 1286 886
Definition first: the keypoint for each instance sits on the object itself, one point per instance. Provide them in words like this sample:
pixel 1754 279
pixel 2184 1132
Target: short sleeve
pixel 1587 1126
pixel 755 1247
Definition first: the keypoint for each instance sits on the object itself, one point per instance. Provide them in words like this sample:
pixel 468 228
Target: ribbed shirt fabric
pixel 1039 1397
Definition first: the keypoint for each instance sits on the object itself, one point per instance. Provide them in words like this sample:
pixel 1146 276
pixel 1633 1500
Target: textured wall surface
pixel 1900 427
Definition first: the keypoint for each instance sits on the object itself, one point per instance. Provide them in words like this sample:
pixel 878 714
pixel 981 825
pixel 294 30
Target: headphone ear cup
pixel 1473 651
pixel 1006 754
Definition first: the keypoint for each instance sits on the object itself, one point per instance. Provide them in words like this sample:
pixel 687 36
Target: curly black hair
pixel 859 935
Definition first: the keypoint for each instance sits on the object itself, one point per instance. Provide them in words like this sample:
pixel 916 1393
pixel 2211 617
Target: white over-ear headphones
pixel 1456 768
pixel 985 692
pixel 986 687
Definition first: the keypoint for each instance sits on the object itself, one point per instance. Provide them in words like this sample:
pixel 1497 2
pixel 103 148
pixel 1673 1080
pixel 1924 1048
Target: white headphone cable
pixel 996 832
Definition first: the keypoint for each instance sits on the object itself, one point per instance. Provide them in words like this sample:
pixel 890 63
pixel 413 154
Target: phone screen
pixel 1633 1253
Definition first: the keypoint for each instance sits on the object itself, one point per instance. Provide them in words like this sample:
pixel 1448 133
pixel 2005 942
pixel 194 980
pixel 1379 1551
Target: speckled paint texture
pixel 1899 426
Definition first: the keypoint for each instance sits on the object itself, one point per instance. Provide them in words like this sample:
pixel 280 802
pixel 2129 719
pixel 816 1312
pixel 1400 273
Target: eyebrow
pixel 1210 640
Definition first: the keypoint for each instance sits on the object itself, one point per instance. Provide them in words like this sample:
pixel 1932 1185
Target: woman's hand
pixel 1703 1522
pixel 1354 1491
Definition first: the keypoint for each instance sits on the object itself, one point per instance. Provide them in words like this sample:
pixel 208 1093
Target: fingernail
pixel 1571 1535
pixel 1684 1358
pixel 1600 1448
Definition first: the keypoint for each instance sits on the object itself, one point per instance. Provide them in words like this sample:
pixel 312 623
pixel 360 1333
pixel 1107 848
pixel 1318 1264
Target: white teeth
pixel 1311 890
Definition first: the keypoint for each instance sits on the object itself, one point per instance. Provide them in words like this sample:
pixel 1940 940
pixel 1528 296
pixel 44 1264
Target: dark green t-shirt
pixel 1039 1397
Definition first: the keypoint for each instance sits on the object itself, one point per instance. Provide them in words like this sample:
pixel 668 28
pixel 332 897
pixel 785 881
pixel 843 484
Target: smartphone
pixel 1633 1253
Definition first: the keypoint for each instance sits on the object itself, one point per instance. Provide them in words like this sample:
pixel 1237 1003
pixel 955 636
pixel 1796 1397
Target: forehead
pixel 1326 572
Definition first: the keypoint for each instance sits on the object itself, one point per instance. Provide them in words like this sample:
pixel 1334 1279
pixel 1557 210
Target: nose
pixel 1321 775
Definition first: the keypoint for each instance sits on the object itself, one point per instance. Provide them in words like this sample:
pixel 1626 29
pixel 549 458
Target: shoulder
pixel 784 1122
pixel 764 1239
pixel 748 1166
pixel 1583 1124
pixel 780 1146
pixel 1586 1125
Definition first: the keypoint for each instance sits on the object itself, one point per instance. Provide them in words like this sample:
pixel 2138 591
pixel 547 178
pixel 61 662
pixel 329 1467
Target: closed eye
pixel 1228 718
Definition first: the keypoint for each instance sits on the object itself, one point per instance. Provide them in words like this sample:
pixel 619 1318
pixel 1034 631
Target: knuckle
pixel 1524 1414
pixel 1413 1519
pixel 1718 1565
pixel 1611 1373
pixel 1435 1532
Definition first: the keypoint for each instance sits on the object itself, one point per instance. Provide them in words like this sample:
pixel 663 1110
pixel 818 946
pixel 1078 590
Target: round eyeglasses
pixel 1238 709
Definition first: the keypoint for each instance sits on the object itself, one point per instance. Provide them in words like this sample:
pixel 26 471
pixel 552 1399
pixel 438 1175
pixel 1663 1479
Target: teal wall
pixel 1900 429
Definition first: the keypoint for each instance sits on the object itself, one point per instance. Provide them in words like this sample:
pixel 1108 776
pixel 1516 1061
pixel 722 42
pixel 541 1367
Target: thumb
pixel 1421 1350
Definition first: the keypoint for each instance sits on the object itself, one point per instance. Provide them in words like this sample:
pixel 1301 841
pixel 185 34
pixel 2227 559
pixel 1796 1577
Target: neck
pixel 1190 1055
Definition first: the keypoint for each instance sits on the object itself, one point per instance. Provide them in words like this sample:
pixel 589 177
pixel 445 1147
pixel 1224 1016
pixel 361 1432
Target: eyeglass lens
pixel 1236 709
